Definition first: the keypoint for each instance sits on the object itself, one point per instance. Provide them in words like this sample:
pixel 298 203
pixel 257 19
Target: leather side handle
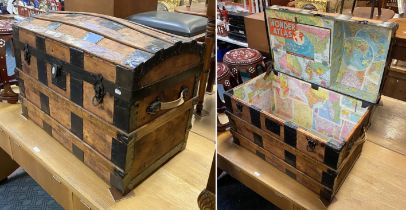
pixel 157 105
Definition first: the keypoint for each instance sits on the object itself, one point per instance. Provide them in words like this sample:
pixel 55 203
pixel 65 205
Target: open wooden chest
pixel 308 115
pixel 118 95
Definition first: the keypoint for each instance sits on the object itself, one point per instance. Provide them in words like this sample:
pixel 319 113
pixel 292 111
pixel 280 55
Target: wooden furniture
pixel 391 4
pixel 395 85
pixel 75 186
pixel 244 61
pixel 225 78
pixel 376 4
pixel 120 99
pixel 364 12
pixel 399 47
pixel 199 9
pixel 207 198
pixel 285 120
pixel 373 183
pixel 8 165
pixel 6 94
pixel 209 49
pixel 116 8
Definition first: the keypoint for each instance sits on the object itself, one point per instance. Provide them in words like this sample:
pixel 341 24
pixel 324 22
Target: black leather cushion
pixel 172 22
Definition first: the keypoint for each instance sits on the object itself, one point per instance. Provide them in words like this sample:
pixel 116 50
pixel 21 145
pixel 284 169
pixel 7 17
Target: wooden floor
pixel 174 186
pixel 377 181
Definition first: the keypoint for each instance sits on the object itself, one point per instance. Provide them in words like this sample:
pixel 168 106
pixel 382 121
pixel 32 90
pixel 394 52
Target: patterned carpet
pixel 21 192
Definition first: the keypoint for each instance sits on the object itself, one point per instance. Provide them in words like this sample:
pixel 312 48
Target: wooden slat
pixel 165 36
pixel 187 172
pixel 135 40
pixel 375 182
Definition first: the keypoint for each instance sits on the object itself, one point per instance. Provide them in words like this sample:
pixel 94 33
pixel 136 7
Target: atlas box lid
pixel 346 54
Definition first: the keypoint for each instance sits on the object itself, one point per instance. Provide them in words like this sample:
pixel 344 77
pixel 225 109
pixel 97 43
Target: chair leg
pixel 373 3
pixel 353 6
pixel 212 77
pixel 342 6
pixel 209 41
pixel 379 8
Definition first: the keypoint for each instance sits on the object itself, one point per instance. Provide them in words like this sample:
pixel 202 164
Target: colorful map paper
pixel 345 56
pixel 322 111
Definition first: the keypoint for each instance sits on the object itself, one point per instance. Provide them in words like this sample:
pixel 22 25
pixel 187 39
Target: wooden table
pixel 399 49
pixel 174 186
pixel 365 12
pixel 377 180
pixel 199 9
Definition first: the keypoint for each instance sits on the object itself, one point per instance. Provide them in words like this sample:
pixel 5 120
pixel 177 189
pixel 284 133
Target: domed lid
pixel 242 56
pixel 222 71
pixel 6 26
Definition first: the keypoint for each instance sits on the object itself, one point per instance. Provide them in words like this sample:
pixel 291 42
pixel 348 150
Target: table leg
pixel 207 197
pixel 7 165
pixel 342 6
pixel 212 76
pixel 353 6
pixel 373 3
pixel 209 41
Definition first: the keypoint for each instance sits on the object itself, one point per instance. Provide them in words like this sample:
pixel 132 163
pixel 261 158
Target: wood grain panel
pixel 57 50
pixel 99 138
pixel 282 166
pixel 60 112
pixel 72 31
pixel 31 68
pixel 104 110
pixel 308 166
pixel 100 165
pixel 33 95
pixel 99 6
pixel 151 147
pixel 98 66
pixel 27 37
pixel 170 67
pixel 117 47
pixel 165 95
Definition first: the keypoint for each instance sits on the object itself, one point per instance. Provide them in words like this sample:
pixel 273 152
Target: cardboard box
pixel 256 32
pixel 116 8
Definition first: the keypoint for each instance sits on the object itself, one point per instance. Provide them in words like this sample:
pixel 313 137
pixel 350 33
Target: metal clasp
pixel 99 90
pixel 56 71
pixel 311 144
pixel 27 54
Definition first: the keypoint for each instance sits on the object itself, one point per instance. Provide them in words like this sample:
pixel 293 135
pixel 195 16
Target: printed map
pixel 348 57
pixel 323 112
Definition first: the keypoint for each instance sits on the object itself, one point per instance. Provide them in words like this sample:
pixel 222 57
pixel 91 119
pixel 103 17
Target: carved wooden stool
pixel 6 94
pixel 244 60
pixel 229 81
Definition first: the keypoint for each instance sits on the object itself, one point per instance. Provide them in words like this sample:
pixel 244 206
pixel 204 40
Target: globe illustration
pixel 358 54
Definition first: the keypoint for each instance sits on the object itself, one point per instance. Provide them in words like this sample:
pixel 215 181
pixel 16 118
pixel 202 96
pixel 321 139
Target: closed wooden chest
pixel 308 114
pixel 120 96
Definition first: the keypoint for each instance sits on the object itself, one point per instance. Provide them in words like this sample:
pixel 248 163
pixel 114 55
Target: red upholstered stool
pixel 244 60
pixel 227 79
pixel 6 94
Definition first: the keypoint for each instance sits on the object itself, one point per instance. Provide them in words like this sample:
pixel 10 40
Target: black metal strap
pixel 98 90
pixel 125 95
pixel 67 67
